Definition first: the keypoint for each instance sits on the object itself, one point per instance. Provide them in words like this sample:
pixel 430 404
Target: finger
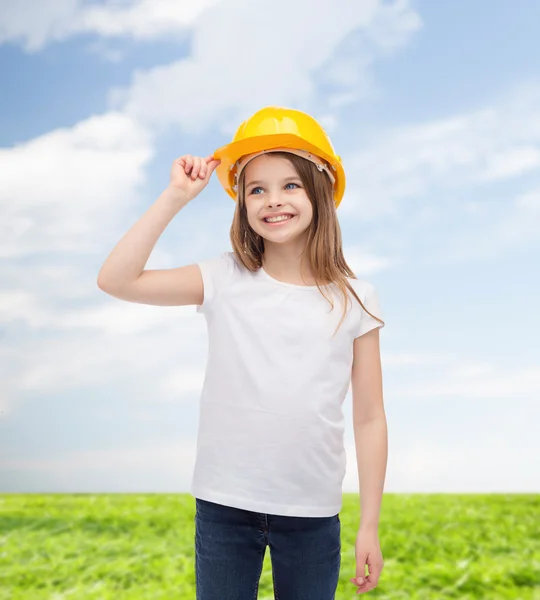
pixel 359 579
pixel 189 163
pixel 196 168
pixel 208 169
pixel 212 166
pixel 363 589
pixel 366 586
pixel 356 581
pixel 375 572
pixel 203 168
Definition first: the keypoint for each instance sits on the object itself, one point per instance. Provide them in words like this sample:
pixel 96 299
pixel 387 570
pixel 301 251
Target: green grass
pixel 132 546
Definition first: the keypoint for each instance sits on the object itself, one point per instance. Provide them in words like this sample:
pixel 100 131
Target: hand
pixel 200 168
pixel 367 552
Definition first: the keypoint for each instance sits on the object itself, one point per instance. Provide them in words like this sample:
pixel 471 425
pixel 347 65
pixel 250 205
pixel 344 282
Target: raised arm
pixel 123 275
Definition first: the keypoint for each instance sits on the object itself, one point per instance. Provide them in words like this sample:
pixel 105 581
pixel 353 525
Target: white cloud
pixel 430 183
pixel 65 198
pixel 58 190
pixel 142 20
pixel 437 376
pixel 510 162
pixel 487 382
pixel 156 467
pixel 393 25
pixel 474 465
pixel 226 77
pixel 490 228
pixel 36 24
pixel 54 362
pixel 363 263
pixel 60 332
pixel 529 202
pixel 490 144
pixel 522 223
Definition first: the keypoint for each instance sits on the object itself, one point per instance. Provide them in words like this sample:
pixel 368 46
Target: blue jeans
pixel 230 544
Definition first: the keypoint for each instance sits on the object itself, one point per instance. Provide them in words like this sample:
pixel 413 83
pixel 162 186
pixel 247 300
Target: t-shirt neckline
pixel 284 283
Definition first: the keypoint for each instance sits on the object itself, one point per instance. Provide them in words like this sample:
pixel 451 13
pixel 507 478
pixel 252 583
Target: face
pixel 272 186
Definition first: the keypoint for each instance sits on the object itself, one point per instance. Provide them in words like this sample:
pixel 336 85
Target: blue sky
pixel 434 108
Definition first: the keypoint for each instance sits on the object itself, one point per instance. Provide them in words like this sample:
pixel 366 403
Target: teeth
pixel 276 219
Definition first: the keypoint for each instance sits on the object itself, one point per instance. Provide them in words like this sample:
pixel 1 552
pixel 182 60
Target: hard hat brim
pixel 229 154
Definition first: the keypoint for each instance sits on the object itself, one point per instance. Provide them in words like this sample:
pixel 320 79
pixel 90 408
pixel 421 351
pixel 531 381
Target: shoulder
pixel 367 292
pixel 232 263
pixel 218 273
pixel 223 261
pixel 371 306
pixel 362 287
pixel 221 268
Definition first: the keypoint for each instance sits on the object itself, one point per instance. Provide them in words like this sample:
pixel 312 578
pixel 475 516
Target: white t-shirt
pixel 271 427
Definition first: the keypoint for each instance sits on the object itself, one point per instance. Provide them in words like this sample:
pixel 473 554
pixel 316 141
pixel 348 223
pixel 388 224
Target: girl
pixel 270 456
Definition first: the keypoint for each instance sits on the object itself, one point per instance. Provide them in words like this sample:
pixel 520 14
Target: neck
pixel 284 262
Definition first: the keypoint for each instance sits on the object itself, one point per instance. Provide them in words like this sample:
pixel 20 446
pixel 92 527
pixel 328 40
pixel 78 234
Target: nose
pixel 273 201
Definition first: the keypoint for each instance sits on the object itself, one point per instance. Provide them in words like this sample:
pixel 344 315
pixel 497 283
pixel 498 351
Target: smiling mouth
pixel 280 220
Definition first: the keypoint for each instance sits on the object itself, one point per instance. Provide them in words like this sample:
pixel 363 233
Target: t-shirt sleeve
pixel 370 299
pixel 217 273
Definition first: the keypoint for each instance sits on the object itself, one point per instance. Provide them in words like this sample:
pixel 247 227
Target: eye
pixel 253 191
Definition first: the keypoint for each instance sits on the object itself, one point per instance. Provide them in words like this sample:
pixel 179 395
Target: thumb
pixel 360 572
pixel 212 166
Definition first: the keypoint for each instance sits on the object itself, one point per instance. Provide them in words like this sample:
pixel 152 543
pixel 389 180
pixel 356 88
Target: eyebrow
pixel 258 181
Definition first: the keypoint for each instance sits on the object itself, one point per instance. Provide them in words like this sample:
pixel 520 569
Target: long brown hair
pixel 324 244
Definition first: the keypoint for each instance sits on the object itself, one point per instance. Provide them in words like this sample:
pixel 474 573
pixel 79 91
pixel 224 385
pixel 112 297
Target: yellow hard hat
pixel 275 128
